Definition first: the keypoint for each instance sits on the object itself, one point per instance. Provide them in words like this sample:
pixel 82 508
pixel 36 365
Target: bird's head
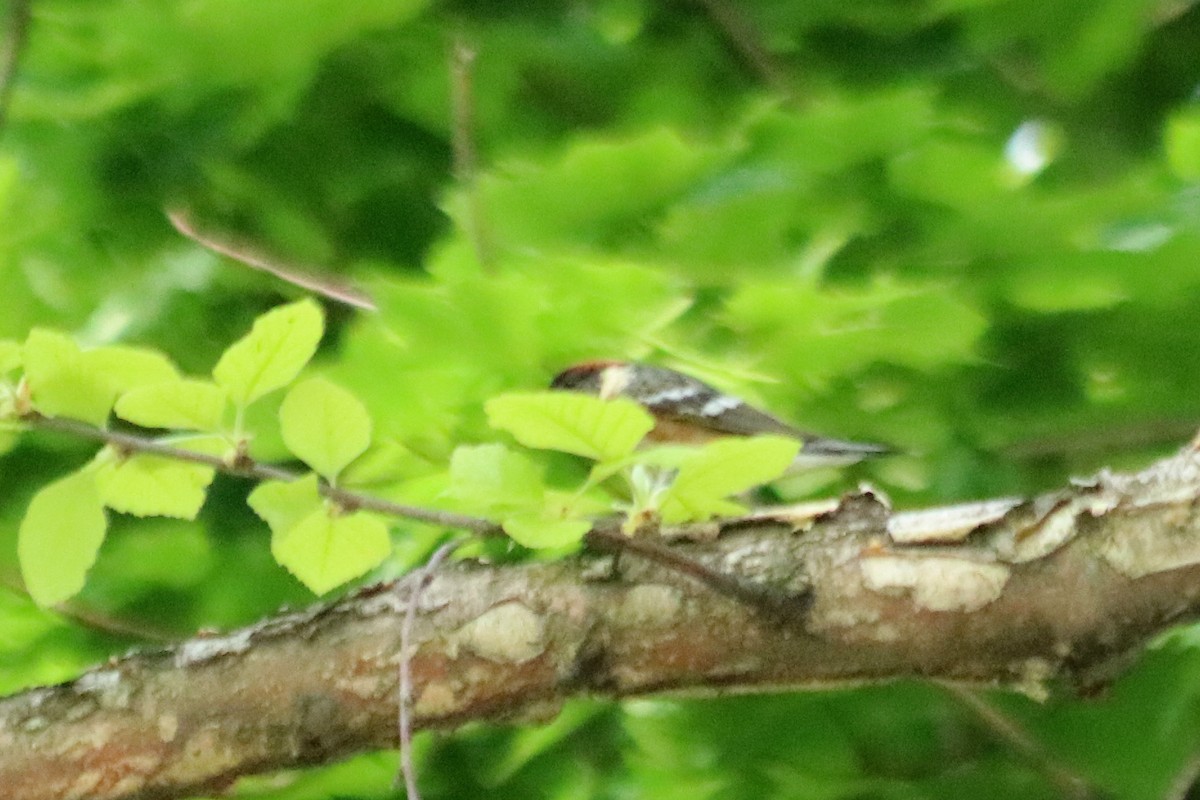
pixel 602 378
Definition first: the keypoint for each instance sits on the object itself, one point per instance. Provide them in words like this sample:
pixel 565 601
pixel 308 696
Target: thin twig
pixel 248 468
pixel 746 41
pixel 96 620
pixel 419 580
pixel 462 102
pixel 602 537
pixel 1007 730
pixel 10 56
pixel 1184 780
pixel 306 278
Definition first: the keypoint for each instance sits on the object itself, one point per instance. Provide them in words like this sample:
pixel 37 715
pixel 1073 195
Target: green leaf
pixel 960 175
pixel 183 405
pixel 602 430
pixel 10 355
pixel 537 531
pixel 325 551
pixel 59 538
pixel 126 367
pixel 158 552
pixel 490 476
pixel 278 346
pixel 146 485
pixel 841 330
pixel 324 425
pixel 722 468
pixel 544 204
pixel 282 504
pixel 1182 142
pixel 62 383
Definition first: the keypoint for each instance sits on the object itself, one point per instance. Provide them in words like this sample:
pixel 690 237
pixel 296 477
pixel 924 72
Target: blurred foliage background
pixel 970 228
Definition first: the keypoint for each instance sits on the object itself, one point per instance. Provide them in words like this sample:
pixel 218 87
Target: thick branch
pixel 1065 586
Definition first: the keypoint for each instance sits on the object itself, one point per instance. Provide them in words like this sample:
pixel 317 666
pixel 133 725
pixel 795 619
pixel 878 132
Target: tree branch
pixel 1066 586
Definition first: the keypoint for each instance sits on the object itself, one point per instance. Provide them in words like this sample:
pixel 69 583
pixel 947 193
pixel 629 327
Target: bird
pixel 687 410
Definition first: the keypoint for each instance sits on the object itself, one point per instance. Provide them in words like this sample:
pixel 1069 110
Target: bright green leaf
pixel 10 355
pixel 61 382
pixel 146 485
pixel 723 468
pixel 841 330
pixel 572 422
pixel 542 202
pixel 324 425
pixel 183 404
pixel 325 551
pixel 282 504
pixel 537 531
pixel 490 476
pixel 1182 142
pixel 128 367
pixel 59 538
pixel 278 346
pixel 960 175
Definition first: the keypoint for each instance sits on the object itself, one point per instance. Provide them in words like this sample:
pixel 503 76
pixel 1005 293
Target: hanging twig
pixel 19 15
pixel 746 42
pixel 417 582
pixel 323 284
pixel 1007 730
pixel 462 102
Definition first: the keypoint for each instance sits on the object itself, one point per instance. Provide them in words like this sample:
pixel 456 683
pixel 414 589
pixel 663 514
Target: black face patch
pixel 581 377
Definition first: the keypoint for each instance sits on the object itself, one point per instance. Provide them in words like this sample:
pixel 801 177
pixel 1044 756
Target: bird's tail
pixel 819 451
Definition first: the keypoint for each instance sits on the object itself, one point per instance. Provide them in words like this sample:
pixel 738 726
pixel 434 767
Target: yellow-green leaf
pixel 324 425
pixel 723 468
pixel 490 476
pixel 282 504
pixel 126 367
pixel 184 405
pixel 59 538
pixel 572 422
pixel 68 382
pixel 272 354
pixel 324 551
pixel 61 382
pixel 537 531
pixel 146 485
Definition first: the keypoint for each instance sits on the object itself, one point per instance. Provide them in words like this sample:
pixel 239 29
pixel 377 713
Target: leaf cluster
pixel 322 424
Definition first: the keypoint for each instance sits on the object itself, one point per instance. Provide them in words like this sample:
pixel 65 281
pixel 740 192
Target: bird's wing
pixel 724 415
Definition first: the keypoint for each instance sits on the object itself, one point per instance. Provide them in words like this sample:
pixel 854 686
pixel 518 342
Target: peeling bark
pixel 1065 586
